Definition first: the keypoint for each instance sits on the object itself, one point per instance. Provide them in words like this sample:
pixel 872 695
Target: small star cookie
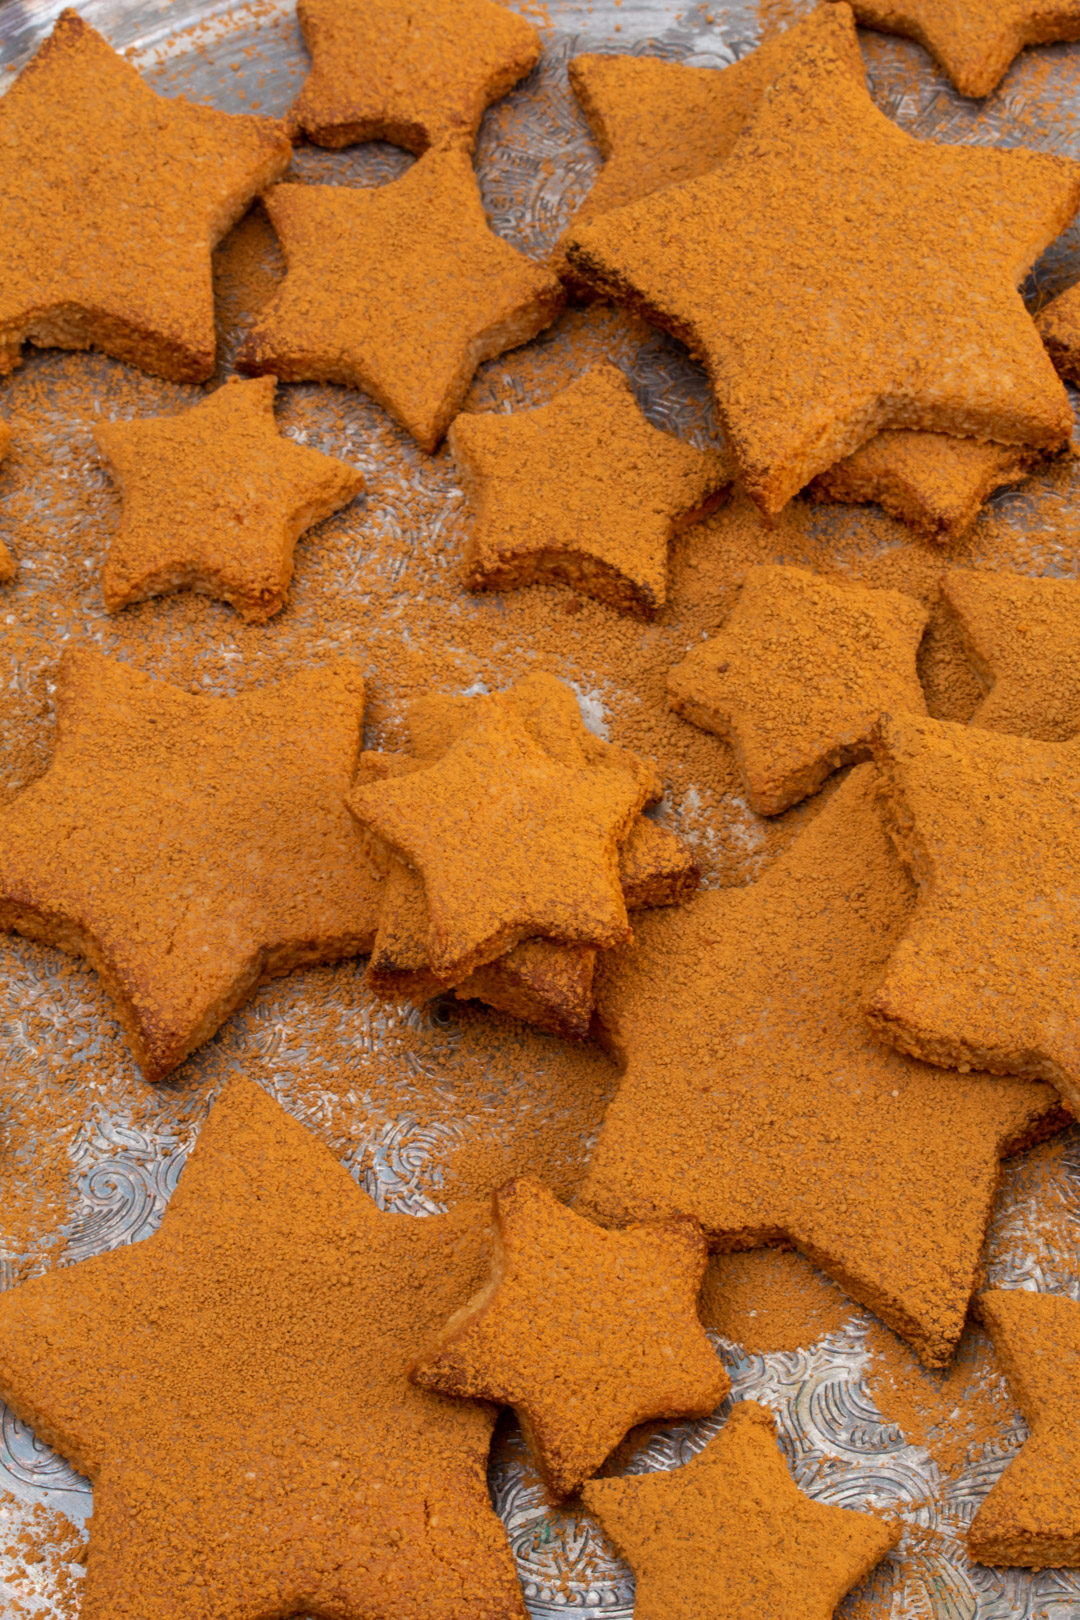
pixel 582 491
pixel 1059 328
pixel 235 1388
pixel 1023 637
pixel 823 195
pixel 414 72
pixel 988 972
pixel 400 290
pixel 214 500
pixel 729 1535
pixel 111 199
pixel 799 676
pixel 190 847
pixel 755 1098
pixel 583 1332
pixel 974 41
pixel 1032 1515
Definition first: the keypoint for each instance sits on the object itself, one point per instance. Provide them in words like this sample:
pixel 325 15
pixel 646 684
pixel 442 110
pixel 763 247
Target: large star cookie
pixel 235 1387
pixel 190 847
pixel 1059 328
pixel 111 198
pixel 1032 1514
pixel 729 1535
pixel 583 1332
pixel 988 973
pixel 821 198
pixel 214 500
pixel 974 40
pixel 401 290
pixel 409 71
pixel 1023 636
pixel 756 1099
pixel 799 676
pixel 582 491
pixel 933 482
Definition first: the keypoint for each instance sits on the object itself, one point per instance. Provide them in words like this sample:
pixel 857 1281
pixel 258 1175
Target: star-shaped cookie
pixel 729 1535
pixel 214 500
pixel 933 482
pixel 235 1387
pixel 1059 327
pixel 511 840
pixel 1032 1514
pixel 582 491
pixel 409 71
pixel 583 1332
pixel 1023 637
pixel 988 972
pixel 974 41
pixel 111 199
pixel 401 290
pixel 756 1099
pixel 799 677
pixel 917 247
pixel 190 847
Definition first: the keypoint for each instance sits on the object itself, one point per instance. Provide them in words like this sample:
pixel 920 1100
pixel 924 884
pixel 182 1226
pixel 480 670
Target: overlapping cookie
pixel 1023 637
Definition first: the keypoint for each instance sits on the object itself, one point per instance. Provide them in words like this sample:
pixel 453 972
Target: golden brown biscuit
pixel 729 1536
pixel 414 72
pixel 111 199
pixel 214 500
pixel 235 1387
pixel 988 973
pixel 582 491
pixel 755 1097
pixel 1023 636
pixel 974 41
pixel 799 677
pixel 824 197
pixel 400 290
pixel 1059 328
pixel 583 1332
pixel 191 847
pixel 1032 1515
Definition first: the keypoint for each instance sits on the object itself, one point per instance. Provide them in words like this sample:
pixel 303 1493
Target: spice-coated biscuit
pixel 214 500
pixel 974 41
pixel 1059 328
pixel 400 290
pixel 582 491
pixel 1023 637
pixel 111 199
pixel 987 974
pixel 729 1535
pixel 1032 1515
pixel 799 676
pixel 824 197
pixel 755 1098
pixel 235 1387
pixel 190 847
pixel 584 1332
pixel 409 71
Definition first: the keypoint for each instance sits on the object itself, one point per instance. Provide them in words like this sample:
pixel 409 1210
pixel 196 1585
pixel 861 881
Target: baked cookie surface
pixel 1023 636
pixel 974 41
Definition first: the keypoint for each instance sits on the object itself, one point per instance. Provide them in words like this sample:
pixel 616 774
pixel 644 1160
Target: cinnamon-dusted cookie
pixel 111 199
pixel 756 1099
pixel 1023 636
pixel 582 491
pixel 190 847
pixel 214 500
pixel 974 41
pixel 729 1536
pixel 235 1387
pixel 933 482
pixel 583 1332
pixel 823 196
pixel 799 677
pixel 401 290
pixel 1032 1515
pixel 1059 328
pixel 409 71
pixel 7 561
pixel 988 972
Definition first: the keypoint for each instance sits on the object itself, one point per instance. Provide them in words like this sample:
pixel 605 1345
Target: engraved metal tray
pixel 535 161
